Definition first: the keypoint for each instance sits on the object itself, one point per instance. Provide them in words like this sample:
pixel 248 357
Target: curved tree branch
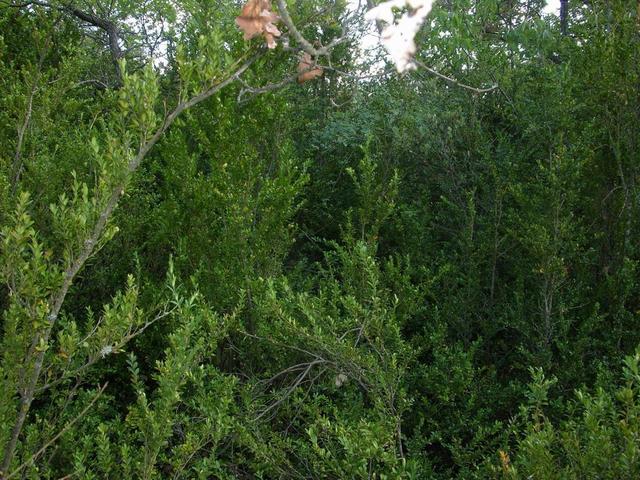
pixel 107 26
pixel 57 299
pixel 453 81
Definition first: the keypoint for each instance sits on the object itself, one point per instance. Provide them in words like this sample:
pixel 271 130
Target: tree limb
pixel 57 299
pixel 304 43
pixel 108 26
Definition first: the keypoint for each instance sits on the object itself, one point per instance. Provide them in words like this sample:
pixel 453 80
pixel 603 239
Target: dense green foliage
pixel 364 276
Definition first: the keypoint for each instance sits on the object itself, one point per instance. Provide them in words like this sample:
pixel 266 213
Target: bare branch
pixel 304 43
pixel 293 368
pixel 18 164
pixel 295 384
pixel 293 30
pixel 453 81
pixel 17 159
pixel 108 26
pixel 269 87
pixel 98 83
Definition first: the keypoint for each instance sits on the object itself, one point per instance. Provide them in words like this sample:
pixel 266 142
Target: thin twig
pixel 295 384
pixel 453 81
pixel 94 359
pixel 59 434
pixel 18 164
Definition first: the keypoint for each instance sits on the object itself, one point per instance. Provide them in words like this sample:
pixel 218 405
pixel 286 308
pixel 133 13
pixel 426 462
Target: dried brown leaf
pixel 306 69
pixel 256 18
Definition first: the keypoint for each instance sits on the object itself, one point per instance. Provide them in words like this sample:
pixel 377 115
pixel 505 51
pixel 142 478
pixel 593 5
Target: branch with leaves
pixel 34 362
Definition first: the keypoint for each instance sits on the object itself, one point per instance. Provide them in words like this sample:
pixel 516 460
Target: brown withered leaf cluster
pixel 256 19
pixel 306 71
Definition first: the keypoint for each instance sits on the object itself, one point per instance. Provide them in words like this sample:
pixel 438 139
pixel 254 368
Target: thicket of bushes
pixel 363 276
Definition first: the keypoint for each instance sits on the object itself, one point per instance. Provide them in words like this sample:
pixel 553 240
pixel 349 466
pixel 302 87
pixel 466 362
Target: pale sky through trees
pixel 553 7
pixel 371 39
